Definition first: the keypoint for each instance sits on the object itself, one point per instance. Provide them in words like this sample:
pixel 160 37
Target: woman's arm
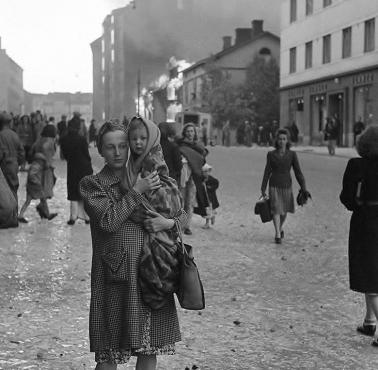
pixel 156 222
pixel 298 173
pixel 108 214
pixel 267 174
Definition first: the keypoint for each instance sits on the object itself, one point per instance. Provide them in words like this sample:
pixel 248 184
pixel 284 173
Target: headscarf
pixel 134 165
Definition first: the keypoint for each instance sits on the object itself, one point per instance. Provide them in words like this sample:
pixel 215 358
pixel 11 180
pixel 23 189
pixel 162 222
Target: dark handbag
pixel 302 197
pixel 190 292
pixel 262 208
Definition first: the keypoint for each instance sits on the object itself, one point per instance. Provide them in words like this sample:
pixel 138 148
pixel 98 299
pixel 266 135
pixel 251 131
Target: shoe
pixel 51 216
pixel 368 330
pixel 188 232
pixel 374 343
pixel 87 222
pixel 282 234
pixel 71 222
pixel 278 240
pixel 22 220
pixel 207 226
pixel 40 211
pixel 213 220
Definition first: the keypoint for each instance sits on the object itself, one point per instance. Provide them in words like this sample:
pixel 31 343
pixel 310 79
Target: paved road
pixel 268 306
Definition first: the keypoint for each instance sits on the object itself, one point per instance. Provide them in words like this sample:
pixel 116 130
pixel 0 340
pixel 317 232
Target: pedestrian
pixel 360 195
pixel 170 149
pixel 294 132
pixel 191 182
pixel 41 179
pixel 277 171
pixel 24 131
pixel 121 325
pixel 38 124
pixel 358 127
pixel 75 151
pixel 61 131
pixel 12 153
pixel 204 133
pixel 211 185
pixel 92 132
pixel 330 135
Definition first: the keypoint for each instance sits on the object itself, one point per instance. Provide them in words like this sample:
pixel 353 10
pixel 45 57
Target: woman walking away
pixel 74 148
pixel 360 195
pixel 277 171
pixel 121 324
pixel 41 179
pixel 191 179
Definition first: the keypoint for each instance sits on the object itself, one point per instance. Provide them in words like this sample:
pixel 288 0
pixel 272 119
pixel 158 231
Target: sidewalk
pixel 322 150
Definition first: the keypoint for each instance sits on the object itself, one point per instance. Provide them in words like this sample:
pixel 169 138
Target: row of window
pixel 369 45
pixel 309 8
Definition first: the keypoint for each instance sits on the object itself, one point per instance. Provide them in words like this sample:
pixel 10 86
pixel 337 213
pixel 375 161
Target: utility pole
pixel 138 88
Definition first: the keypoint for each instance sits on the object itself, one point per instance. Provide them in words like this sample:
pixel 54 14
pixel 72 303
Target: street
pixel 268 306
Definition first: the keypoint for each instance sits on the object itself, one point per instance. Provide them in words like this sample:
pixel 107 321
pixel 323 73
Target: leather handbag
pixel 262 208
pixel 190 291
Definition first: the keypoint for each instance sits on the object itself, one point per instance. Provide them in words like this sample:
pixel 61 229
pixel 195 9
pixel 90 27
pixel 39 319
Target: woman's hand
pixel 150 182
pixel 156 222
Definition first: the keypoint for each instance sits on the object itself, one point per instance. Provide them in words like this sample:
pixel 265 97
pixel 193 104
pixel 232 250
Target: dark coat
pixel 75 151
pixel 212 185
pixel 117 311
pixel 363 232
pixel 172 157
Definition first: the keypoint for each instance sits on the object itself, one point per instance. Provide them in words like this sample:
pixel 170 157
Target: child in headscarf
pixel 159 264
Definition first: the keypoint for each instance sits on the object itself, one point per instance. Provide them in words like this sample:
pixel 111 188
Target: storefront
pixel 346 98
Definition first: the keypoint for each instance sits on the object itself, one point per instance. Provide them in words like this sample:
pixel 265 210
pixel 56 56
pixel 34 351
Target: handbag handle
pixel 181 242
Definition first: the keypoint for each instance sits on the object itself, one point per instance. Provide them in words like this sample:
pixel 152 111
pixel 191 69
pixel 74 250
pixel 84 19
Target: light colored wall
pixel 323 21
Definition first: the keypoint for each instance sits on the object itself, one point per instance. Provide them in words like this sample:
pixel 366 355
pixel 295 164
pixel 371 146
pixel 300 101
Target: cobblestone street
pixel 268 306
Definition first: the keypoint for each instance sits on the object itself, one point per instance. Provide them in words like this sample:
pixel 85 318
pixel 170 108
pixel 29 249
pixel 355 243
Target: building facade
pixel 329 66
pixel 57 104
pixel 11 84
pixel 233 59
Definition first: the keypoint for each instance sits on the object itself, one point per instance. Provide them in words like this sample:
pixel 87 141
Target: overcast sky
pixel 50 40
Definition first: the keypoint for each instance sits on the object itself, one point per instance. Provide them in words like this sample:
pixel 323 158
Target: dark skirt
pixel 281 200
pixel 363 251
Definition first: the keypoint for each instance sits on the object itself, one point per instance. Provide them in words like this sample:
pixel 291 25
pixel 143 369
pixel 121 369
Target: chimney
pixel 242 35
pixel 226 42
pixel 257 27
pixel 173 72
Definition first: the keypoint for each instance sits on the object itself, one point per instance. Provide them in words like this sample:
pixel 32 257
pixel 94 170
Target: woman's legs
pixel 282 221
pixel 277 225
pixel 74 210
pixel 146 362
pixel 25 206
pixel 371 308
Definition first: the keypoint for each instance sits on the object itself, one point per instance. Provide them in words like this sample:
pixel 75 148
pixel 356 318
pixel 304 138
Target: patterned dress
pixel 120 324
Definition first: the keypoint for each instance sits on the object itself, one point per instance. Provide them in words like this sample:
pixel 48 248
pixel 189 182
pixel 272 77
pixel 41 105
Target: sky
pixel 50 40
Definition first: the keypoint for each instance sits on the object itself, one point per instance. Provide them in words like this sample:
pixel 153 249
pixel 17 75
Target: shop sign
pixel 363 79
pixel 319 88
pixel 296 92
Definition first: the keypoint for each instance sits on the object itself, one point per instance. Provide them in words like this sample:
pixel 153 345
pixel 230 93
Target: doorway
pixel 336 111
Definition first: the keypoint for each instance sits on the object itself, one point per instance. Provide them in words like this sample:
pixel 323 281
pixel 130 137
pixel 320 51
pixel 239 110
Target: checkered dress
pixel 118 317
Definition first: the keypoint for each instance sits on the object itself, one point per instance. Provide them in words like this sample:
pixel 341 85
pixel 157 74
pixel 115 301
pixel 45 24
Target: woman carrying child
pixel 121 323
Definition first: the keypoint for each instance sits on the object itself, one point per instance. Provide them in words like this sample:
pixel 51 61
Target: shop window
pixel 347 42
pixel 300 105
pixel 326 49
pixel 309 7
pixel 369 42
pixel 327 3
pixel 293 10
pixel 308 55
pixel 293 60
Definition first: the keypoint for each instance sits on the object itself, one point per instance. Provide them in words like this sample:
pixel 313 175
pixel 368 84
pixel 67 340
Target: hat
pixel 206 167
pixel 77 114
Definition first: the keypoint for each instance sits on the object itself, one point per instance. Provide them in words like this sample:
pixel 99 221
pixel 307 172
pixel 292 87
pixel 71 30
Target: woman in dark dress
pixel 360 195
pixel 277 171
pixel 75 151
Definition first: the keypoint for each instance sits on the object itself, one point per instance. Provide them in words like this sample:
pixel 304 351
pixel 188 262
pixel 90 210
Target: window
pixel 102 64
pixel 112 19
pixel 293 60
pixel 347 42
pixel 103 46
pixel 327 3
pixel 326 49
pixel 308 55
pixel 293 10
pixel 112 37
pixel 369 43
pixel 112 55
pixel 309 7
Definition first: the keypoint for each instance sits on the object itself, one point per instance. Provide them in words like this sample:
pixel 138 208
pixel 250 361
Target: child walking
pixel 211 184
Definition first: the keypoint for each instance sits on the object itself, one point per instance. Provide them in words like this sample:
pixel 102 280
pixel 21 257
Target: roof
pixel 231 49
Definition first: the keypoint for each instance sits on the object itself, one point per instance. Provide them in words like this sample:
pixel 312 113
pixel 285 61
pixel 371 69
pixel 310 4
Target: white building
pixel 329 65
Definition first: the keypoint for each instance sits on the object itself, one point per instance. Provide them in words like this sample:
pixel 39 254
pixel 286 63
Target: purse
pixel 190 291
pixel 262 208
